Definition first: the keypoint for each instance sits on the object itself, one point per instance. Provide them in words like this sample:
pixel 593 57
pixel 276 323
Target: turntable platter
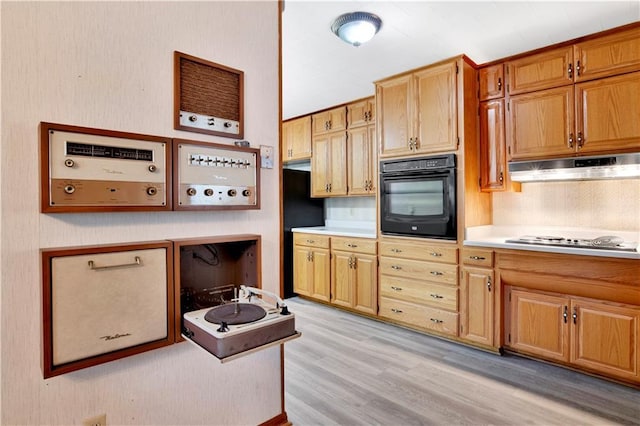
pixel 235 313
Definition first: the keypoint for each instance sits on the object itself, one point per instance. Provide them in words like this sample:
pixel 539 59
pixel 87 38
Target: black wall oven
pixel 418 197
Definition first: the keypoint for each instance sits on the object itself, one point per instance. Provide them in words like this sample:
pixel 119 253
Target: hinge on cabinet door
pixel 480 182
pixel 509 149
pixel 461 329
pixel 509 296
pixel 457 69
pixel 509 337
pixel 458 140
pixel 508 106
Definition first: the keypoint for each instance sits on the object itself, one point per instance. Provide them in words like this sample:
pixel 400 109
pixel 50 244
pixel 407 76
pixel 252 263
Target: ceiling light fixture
pixel 356 27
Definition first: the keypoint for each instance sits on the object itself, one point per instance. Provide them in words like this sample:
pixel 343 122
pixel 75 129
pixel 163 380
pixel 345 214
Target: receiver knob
pixel 246 192
pixel 191 192
pixel 208 192
pixel 152 168
pixel 69 189
pixel 232 192
pixel 152 190
pixel 69 162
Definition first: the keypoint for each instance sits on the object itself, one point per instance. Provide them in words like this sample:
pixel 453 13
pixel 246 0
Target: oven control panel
pixel 213 176
pixel 110 171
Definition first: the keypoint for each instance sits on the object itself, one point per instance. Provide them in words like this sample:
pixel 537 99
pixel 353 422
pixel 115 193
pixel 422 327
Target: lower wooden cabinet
pixel 311 266
pixel 354 274
pixel 477 291
pixel 339 270
pixel 598 336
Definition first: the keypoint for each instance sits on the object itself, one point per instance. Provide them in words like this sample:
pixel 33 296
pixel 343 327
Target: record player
pixel 244 325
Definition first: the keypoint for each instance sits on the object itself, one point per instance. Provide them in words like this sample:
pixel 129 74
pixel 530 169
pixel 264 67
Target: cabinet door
pixel 604 56
pixel 608 114
pixel 394 104
pixel 360 113
pixel 541 124
pixel 300 138
pixel 337 163
pixel 359 147
pixel 477 305
pixel 605 338
pixel 320 171
pixel 302 271
pixel 491 82
pixel 286 137
pixel 366 283
pixel 321 275
pixel 538 324
pixel 329 121
pixel 541 71
pixel 436 115
pixel 492 146
pixel 342 290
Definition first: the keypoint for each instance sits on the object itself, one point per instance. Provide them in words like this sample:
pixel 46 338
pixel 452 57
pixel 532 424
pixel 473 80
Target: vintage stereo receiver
pixel 90 170
pixel 213 176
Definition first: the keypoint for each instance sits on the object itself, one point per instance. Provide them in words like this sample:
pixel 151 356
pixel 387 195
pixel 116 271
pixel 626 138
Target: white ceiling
pixel 319 70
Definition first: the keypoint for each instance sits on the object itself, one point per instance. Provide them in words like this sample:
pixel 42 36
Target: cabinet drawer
pixel 435 295
pixel 477 257
pixel 356 245
pixel 424 271
pixel 419 251
pixel 311 240
pixel 419 316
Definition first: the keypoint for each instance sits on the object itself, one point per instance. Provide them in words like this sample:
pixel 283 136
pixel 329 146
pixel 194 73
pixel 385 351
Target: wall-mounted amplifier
pixel 208 97
pixel 92 170
pixel 211 176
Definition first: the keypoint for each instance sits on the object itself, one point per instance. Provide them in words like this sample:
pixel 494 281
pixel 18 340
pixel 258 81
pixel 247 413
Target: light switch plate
pixel 266 157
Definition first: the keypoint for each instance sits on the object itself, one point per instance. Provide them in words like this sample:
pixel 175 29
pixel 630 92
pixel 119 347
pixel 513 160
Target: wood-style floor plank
pixel 351 370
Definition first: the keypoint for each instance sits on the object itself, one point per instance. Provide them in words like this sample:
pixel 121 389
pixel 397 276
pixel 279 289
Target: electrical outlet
pixel 266 155
pixel 99 420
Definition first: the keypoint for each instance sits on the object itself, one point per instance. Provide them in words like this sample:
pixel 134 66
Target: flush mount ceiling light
pixel 356 27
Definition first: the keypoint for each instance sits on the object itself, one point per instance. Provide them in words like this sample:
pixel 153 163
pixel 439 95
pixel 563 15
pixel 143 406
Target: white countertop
pixel 495 236
pixel 338 231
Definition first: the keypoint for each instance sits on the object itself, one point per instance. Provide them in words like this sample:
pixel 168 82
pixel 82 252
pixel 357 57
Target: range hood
pixel 621 166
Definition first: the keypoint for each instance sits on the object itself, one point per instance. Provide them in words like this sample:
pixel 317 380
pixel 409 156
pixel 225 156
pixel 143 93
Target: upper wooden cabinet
pixel 602 117
pixel 296 139
pixel 491 82
pixel 493 159
pixel 548 69
pixel 329 165
pixel 361 113
pixel 613 54
pixel 417 112
pixel 331 120
pixel 604 56
pixel 361 157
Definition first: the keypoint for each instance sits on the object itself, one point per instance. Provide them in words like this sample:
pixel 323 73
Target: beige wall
pixel 109 65
pixel 605 204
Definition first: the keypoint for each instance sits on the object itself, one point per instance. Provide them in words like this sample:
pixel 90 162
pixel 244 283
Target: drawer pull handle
pixel 352 245
pixel 396 288
pixel 311 241
pixel 477 258
pixel 395 250
pixel 435 254
pixel 397 268
pixel 436 273
pixel 436 296
pixel 435 320
pixel 396 311
pixel 93 267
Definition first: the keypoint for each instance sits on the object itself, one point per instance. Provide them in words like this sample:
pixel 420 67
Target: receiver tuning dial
pixel 152 168
pixel 69 162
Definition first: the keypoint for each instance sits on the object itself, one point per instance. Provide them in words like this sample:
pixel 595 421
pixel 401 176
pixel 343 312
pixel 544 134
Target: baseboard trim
pixel 279 420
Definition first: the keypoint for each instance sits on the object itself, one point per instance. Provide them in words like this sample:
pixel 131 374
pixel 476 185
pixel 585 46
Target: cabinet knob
pixel 396 267
pixel 395 250
pixel 570 71
pixel 436 273
pixel 489 284
pixel 565 314
pixel 476 257
pixel 575 315
pixel 500 83
pixel 396 311
pixel 580 140
pixel 578 68
pixel 435 254
pixel 436 296
pixel 570 142
pixel 436 320
pixel 394 288
pixel 501 177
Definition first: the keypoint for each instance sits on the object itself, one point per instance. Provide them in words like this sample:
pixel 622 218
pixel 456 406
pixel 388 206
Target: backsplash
pixel 351 209
pixel 603 204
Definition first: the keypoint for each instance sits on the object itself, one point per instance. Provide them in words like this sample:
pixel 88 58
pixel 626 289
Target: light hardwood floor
pixel 350 370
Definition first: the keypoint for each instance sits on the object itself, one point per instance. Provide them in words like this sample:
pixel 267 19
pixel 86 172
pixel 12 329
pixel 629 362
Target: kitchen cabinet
pixel 329 165
pixel 354 278
pixel 602 117
pixel 296 139
pixel 592 334
pixel 577 99
pixel 419 285
pixel 331 120
pixel 579 311
pixel 361 160
pixel 311 265
pixel 477 291
pixel 361 113
pixel 491 82
pixel 417 112
pixel 603 56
